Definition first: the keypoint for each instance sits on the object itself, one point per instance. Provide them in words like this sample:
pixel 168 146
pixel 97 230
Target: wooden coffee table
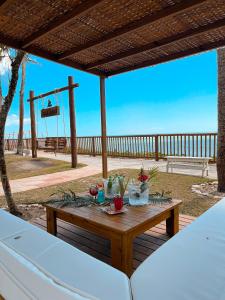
pixel 119 229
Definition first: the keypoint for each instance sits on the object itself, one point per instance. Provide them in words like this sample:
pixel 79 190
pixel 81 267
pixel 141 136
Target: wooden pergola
pixel 109 37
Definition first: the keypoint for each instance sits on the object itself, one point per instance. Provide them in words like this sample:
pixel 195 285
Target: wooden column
pixel 33 126
pixel 73 137
pixel 103 128
pixel 156 147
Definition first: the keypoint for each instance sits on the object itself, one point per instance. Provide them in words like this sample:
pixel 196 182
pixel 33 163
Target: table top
pixel 134 217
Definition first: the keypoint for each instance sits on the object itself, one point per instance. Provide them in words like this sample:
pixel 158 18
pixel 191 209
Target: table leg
pixel 122 254
pixel 51 221
pixel 172 223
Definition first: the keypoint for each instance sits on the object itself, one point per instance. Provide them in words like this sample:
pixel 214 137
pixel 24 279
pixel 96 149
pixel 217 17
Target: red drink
pixel 118 202
pixel 93 191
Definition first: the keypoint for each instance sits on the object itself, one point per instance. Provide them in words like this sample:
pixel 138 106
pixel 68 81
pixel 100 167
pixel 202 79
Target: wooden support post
pixel 156 147
pixel 93 146
pixel 51 221
pixel 33 126
pixel 172 223
pixel 73 137
pixel 103 128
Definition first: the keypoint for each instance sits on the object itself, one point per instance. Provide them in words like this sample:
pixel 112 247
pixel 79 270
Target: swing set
pixel 54 144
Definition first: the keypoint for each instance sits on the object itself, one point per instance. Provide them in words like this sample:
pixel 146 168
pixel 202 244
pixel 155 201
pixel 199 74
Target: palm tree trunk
pixel 221 121
pixel 4 177
pixel 21 117
pixel 3 116
pixel 1 97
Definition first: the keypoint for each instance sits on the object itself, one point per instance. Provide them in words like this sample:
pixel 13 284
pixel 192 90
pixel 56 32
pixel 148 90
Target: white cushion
pixel 65 264
pixel 78 269
pixel 189 266
pixel 20 279
pixel 31 242
pixel 10 225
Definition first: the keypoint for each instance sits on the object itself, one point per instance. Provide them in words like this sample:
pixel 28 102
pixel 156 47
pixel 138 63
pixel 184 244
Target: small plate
pixel 109 211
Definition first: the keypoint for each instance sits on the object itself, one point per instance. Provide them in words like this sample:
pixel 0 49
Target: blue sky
pixel 175 97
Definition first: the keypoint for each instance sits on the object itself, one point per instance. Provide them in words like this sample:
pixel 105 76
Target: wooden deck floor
pixel 144 245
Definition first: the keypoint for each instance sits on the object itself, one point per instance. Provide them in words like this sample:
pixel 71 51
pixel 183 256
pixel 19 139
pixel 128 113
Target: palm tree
pixel 16 60
pixel 221 120
pixel 2 56
pixel 1 97
pixel 26 60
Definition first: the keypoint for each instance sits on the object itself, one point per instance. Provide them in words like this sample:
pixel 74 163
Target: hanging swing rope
pixel 46 127
pixel 37 114
pixel 64 126
pixel 63 121
pixel 57 121
pixel 63 113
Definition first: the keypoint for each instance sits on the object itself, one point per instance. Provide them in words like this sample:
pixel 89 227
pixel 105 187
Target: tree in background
pixel 16 58
pixel 21 107
pixel 221 121
pixel 3 50
pixel 26 60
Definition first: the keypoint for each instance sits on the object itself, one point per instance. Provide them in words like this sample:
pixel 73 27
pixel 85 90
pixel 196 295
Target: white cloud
pixel 5 64
pixel 13 119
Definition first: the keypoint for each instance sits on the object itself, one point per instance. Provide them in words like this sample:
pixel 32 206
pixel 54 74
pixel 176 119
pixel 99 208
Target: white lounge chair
pixel 37 265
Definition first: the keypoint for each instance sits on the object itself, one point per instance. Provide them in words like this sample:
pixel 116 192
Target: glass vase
pixel 138 196
pixel 111 189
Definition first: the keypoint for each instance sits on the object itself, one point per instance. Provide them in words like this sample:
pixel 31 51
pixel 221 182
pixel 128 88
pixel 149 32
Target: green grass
pixel 22 167
pixel 179 185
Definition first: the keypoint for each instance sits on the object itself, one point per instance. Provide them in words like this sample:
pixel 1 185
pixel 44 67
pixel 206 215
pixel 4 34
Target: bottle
pixel 101 196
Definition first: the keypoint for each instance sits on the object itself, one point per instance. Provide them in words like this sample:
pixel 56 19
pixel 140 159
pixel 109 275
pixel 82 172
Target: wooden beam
pixel 103 128
pixel 78 11
pixel 73 135
pixel 74 85
pixel 158 44
pixel 167 58
pixel 147 20
pixel 33 127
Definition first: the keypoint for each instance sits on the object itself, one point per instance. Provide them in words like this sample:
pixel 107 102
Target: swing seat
pixel 51 145
pixel 62 142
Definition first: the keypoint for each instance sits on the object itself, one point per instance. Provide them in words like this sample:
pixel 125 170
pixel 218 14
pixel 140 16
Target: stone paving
pixel 93 167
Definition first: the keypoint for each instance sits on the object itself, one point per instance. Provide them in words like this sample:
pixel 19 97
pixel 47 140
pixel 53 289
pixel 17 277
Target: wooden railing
pixel 142 146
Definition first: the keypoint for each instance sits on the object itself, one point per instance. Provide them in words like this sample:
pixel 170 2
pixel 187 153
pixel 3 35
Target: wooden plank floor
pixel 144 245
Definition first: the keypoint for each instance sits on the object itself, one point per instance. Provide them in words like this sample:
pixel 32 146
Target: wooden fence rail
pixel 141 146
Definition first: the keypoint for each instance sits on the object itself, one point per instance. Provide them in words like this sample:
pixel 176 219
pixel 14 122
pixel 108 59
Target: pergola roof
pixel 108 37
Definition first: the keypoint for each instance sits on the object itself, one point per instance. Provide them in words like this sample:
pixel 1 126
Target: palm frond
pixel 153 173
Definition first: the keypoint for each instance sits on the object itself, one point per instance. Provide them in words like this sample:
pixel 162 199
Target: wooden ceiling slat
pixel 150 19
pixel 3 3
pixel 67 62
pixel 158 44
pixel 205 17
pixel 47 55
pixel 167 58
pixel 61 21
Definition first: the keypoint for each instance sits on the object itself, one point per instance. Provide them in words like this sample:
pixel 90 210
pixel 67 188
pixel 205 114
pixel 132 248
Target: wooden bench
pixel 53 144
pixel 188 162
